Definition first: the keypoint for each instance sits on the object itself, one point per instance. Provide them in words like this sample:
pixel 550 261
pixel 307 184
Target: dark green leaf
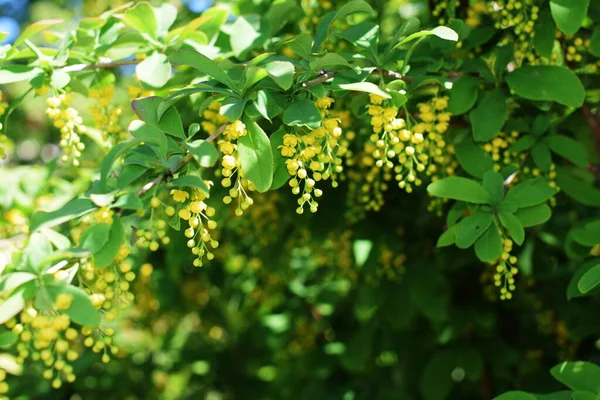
pixel 350 7
pixel 547 83
pixel 541 156
pixel 191 181
pixel 590 279
pixel 494 184
pixel 513 225
pixel 108 252
pixel 568 148
pixel 95 237
pixel 463 95
pixel 302 112
pixel 202 64
pixel 578 375
pixel 545 31
pixel 532 216
pixel 280 171
pixel 569 14
pixel 470 228
pixel 204 152
pixel 472 158
pixel 488 247
pixel 488 117
pixel 458 188
pixel 578 189
pixel 282 72
pixel 530 193
pixel 73 209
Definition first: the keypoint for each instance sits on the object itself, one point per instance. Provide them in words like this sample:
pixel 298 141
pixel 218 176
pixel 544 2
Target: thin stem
pixel 107 65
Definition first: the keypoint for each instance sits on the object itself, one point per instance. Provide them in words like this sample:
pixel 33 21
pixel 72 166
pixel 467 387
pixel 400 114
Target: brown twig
pixel 188 157
pixel 107 65
pixel 323 77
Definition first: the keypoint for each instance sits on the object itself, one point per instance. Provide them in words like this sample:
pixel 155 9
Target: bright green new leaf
pixel 447 238
pixel 150 134
pixel 202 64
pixel 81 311
pixel 246 34
pixel 513 225
pixel 569 14
pixel 204 152
pixel 34 29
pixel 488 117
pixel 470 228
pixel 13 304
pixel 590 279
pixel 488 247
pixel 459 188
pixel 463 95
pixel 547 82
pixel 141 17
pixel 302 112
pixel 154 70
pixel 329 60
pixel 568 148
pixel 192 181
pixel 256 156
pixel 530 193
pixel 282 72
pixel 578 375
pixel 95 237
pixel 366 87
pixel 18 73
pixel 73 209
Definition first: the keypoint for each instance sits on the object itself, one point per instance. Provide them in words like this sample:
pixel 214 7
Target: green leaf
pixel 107 253
pixel 150 134
pixel 128 201
pixel 282 73
pixel 569 14
pixel 436 379
pixel 13 304
pixel 59 79
pixel 583 396
pixel 73 209
pixel 515 395
pixel 233 108
pixel 202 64
pixel 578 189
pixel 256 156
pixel 81 310
pixel 329 60
pixel 494 184
pixel 590 279
pixel 269 104
pixel 568 148
pixel 595 42
pixel 191 181
pixel 142 19
pixel 463 95
pixel 578 375
pixel 170 123
pixel 547 83
pixel 7 339
pixel 472 158
pixel 154 70
pixel 18 73
pixel 530 193
pixel 365 35
pixel 523 143
pixel 300 44
pixel 513 225
pixel 447 238
pixel 110 158
pixel 442 32
pixel 280 171
pixel 165 15
pixel 204 152
pixel 349 8
pixel 488 247
pixel 488 117
pixel 95 237
pixel 246 34
pixel 34 29
pixel 366 87
pixel 545 31
pixel 573 290
pixel 302 112
pixel 470 228
pixel 13 280
pixel 587 233
pixel 532 216
pixel 459 188
pixel 540 153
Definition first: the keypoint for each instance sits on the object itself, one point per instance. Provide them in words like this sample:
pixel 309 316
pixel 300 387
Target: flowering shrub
pixel 297 199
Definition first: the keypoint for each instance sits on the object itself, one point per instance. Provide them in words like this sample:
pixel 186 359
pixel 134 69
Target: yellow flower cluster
pixel 106 115
pixel 519 16
pixel 198 214
pixel 212 118
pixel 233 176
pixel 136 92
pixel 475 12
pixel 504 278
pixel 69 122
pixel 156 234
pixel 313 156
pixel 46 336
pixel 3 138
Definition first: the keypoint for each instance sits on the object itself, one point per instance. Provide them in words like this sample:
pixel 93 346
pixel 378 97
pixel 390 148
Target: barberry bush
pixel 302 199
